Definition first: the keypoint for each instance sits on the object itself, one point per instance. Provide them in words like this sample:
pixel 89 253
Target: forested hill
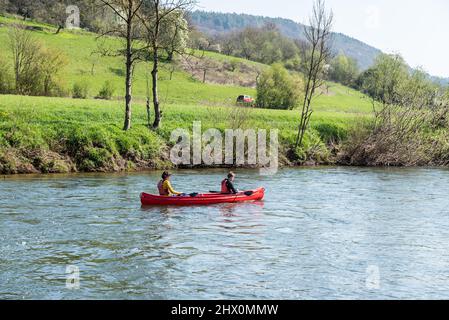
pixel 214 23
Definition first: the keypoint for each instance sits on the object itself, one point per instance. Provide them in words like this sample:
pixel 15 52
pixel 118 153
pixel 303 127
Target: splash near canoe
pixel 202 199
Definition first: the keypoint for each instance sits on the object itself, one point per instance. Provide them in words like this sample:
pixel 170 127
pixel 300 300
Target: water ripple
pixel 314 237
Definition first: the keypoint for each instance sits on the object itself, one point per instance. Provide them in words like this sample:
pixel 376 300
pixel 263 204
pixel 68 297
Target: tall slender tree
pixel 316 55
pixel 129 29
pixel 157 14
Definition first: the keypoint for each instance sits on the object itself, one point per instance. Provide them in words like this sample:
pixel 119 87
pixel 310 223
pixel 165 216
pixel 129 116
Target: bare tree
pixel 127 28
pixel 35 67
pixel 398 134
pixel 25 50
pixel 316 55
pixel 155 16
pixel 199 65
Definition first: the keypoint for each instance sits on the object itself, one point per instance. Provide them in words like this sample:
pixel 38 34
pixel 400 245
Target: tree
pixel 383 80
pixel 277 89
pixel 408 108
pixel 52 61
pixel 156 15
pixel 24 8
pixel 129 29
pixel 25 50
pixel 57 15
pixel 247 44
pixel 174 34
pixel 35 67
pixel 343 70
pixel 50 11
pixel 4 5
pixel 318 38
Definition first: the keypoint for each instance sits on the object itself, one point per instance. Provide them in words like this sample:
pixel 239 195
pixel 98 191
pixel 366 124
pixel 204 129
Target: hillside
pixel 40 134
pixel 94 69
pixel 214 23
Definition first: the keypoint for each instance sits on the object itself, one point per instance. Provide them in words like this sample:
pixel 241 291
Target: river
pixel 321 233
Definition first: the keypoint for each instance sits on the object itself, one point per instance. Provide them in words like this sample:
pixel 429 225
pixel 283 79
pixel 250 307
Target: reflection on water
pixel 315 236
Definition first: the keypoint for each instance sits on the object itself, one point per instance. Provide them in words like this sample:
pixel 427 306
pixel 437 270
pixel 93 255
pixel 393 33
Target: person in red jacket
pixel 227 185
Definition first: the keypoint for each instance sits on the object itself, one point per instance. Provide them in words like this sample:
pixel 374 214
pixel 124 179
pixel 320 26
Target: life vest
pixel 224 186
pixel 162 191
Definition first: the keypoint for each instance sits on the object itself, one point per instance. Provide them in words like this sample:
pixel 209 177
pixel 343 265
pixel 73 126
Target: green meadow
pixel 42 134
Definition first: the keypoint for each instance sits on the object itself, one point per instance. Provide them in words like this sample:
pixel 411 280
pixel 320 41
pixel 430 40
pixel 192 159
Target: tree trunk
pixel 148 112
pixel 60 27
pixel 154 74
pixel 128 84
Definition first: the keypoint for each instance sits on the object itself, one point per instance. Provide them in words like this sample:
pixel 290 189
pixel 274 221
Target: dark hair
pixel 231 174
pixel 165 175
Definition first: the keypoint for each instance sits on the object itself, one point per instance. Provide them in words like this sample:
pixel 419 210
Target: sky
pixel 416 29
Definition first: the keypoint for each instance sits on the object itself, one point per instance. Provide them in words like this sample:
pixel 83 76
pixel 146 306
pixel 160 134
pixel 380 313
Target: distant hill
pixel 213 23
pixel 442 81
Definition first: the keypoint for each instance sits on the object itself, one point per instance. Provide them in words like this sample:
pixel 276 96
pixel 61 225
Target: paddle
pixel 193 195
pixel 246 193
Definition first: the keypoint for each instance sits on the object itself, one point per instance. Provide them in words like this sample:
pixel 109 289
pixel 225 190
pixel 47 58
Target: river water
pixel 324 233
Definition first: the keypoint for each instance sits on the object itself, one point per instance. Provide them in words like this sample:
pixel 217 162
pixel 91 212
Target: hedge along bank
pixel 207 148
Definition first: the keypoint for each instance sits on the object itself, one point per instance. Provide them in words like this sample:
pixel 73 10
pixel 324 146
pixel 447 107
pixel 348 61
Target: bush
pixel 107 91
pixel 80 90
pixel 278 89
pixel 313 149
pixel 39 75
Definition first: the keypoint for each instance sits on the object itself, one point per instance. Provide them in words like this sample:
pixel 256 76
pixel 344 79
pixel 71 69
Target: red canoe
pixel 202 199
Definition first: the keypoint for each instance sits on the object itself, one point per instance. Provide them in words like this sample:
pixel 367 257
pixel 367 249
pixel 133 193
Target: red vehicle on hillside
pixel 246 100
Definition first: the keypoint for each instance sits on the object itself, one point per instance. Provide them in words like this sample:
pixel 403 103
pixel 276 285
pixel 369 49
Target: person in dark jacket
pixel 227 185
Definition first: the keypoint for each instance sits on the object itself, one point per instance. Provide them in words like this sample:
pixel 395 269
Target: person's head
pixel 166 175
pixel 231 176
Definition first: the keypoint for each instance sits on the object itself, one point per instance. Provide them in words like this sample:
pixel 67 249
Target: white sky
pixel 416 29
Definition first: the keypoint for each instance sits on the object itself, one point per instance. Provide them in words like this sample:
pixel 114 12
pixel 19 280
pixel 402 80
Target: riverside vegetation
pixel 62 134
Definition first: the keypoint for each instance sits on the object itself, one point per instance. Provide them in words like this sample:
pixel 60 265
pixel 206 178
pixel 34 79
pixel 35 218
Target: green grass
pixel 63 134
pixel 80 48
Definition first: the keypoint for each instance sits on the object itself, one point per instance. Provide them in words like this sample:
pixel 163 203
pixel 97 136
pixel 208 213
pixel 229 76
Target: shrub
pixel 277 89
pixel 36 67
pixel 80 90
pixel 107 91
pixel 232 65
pixel 52 62
pixel 313 148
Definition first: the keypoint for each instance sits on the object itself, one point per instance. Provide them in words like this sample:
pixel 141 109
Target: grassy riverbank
pixel 39 134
